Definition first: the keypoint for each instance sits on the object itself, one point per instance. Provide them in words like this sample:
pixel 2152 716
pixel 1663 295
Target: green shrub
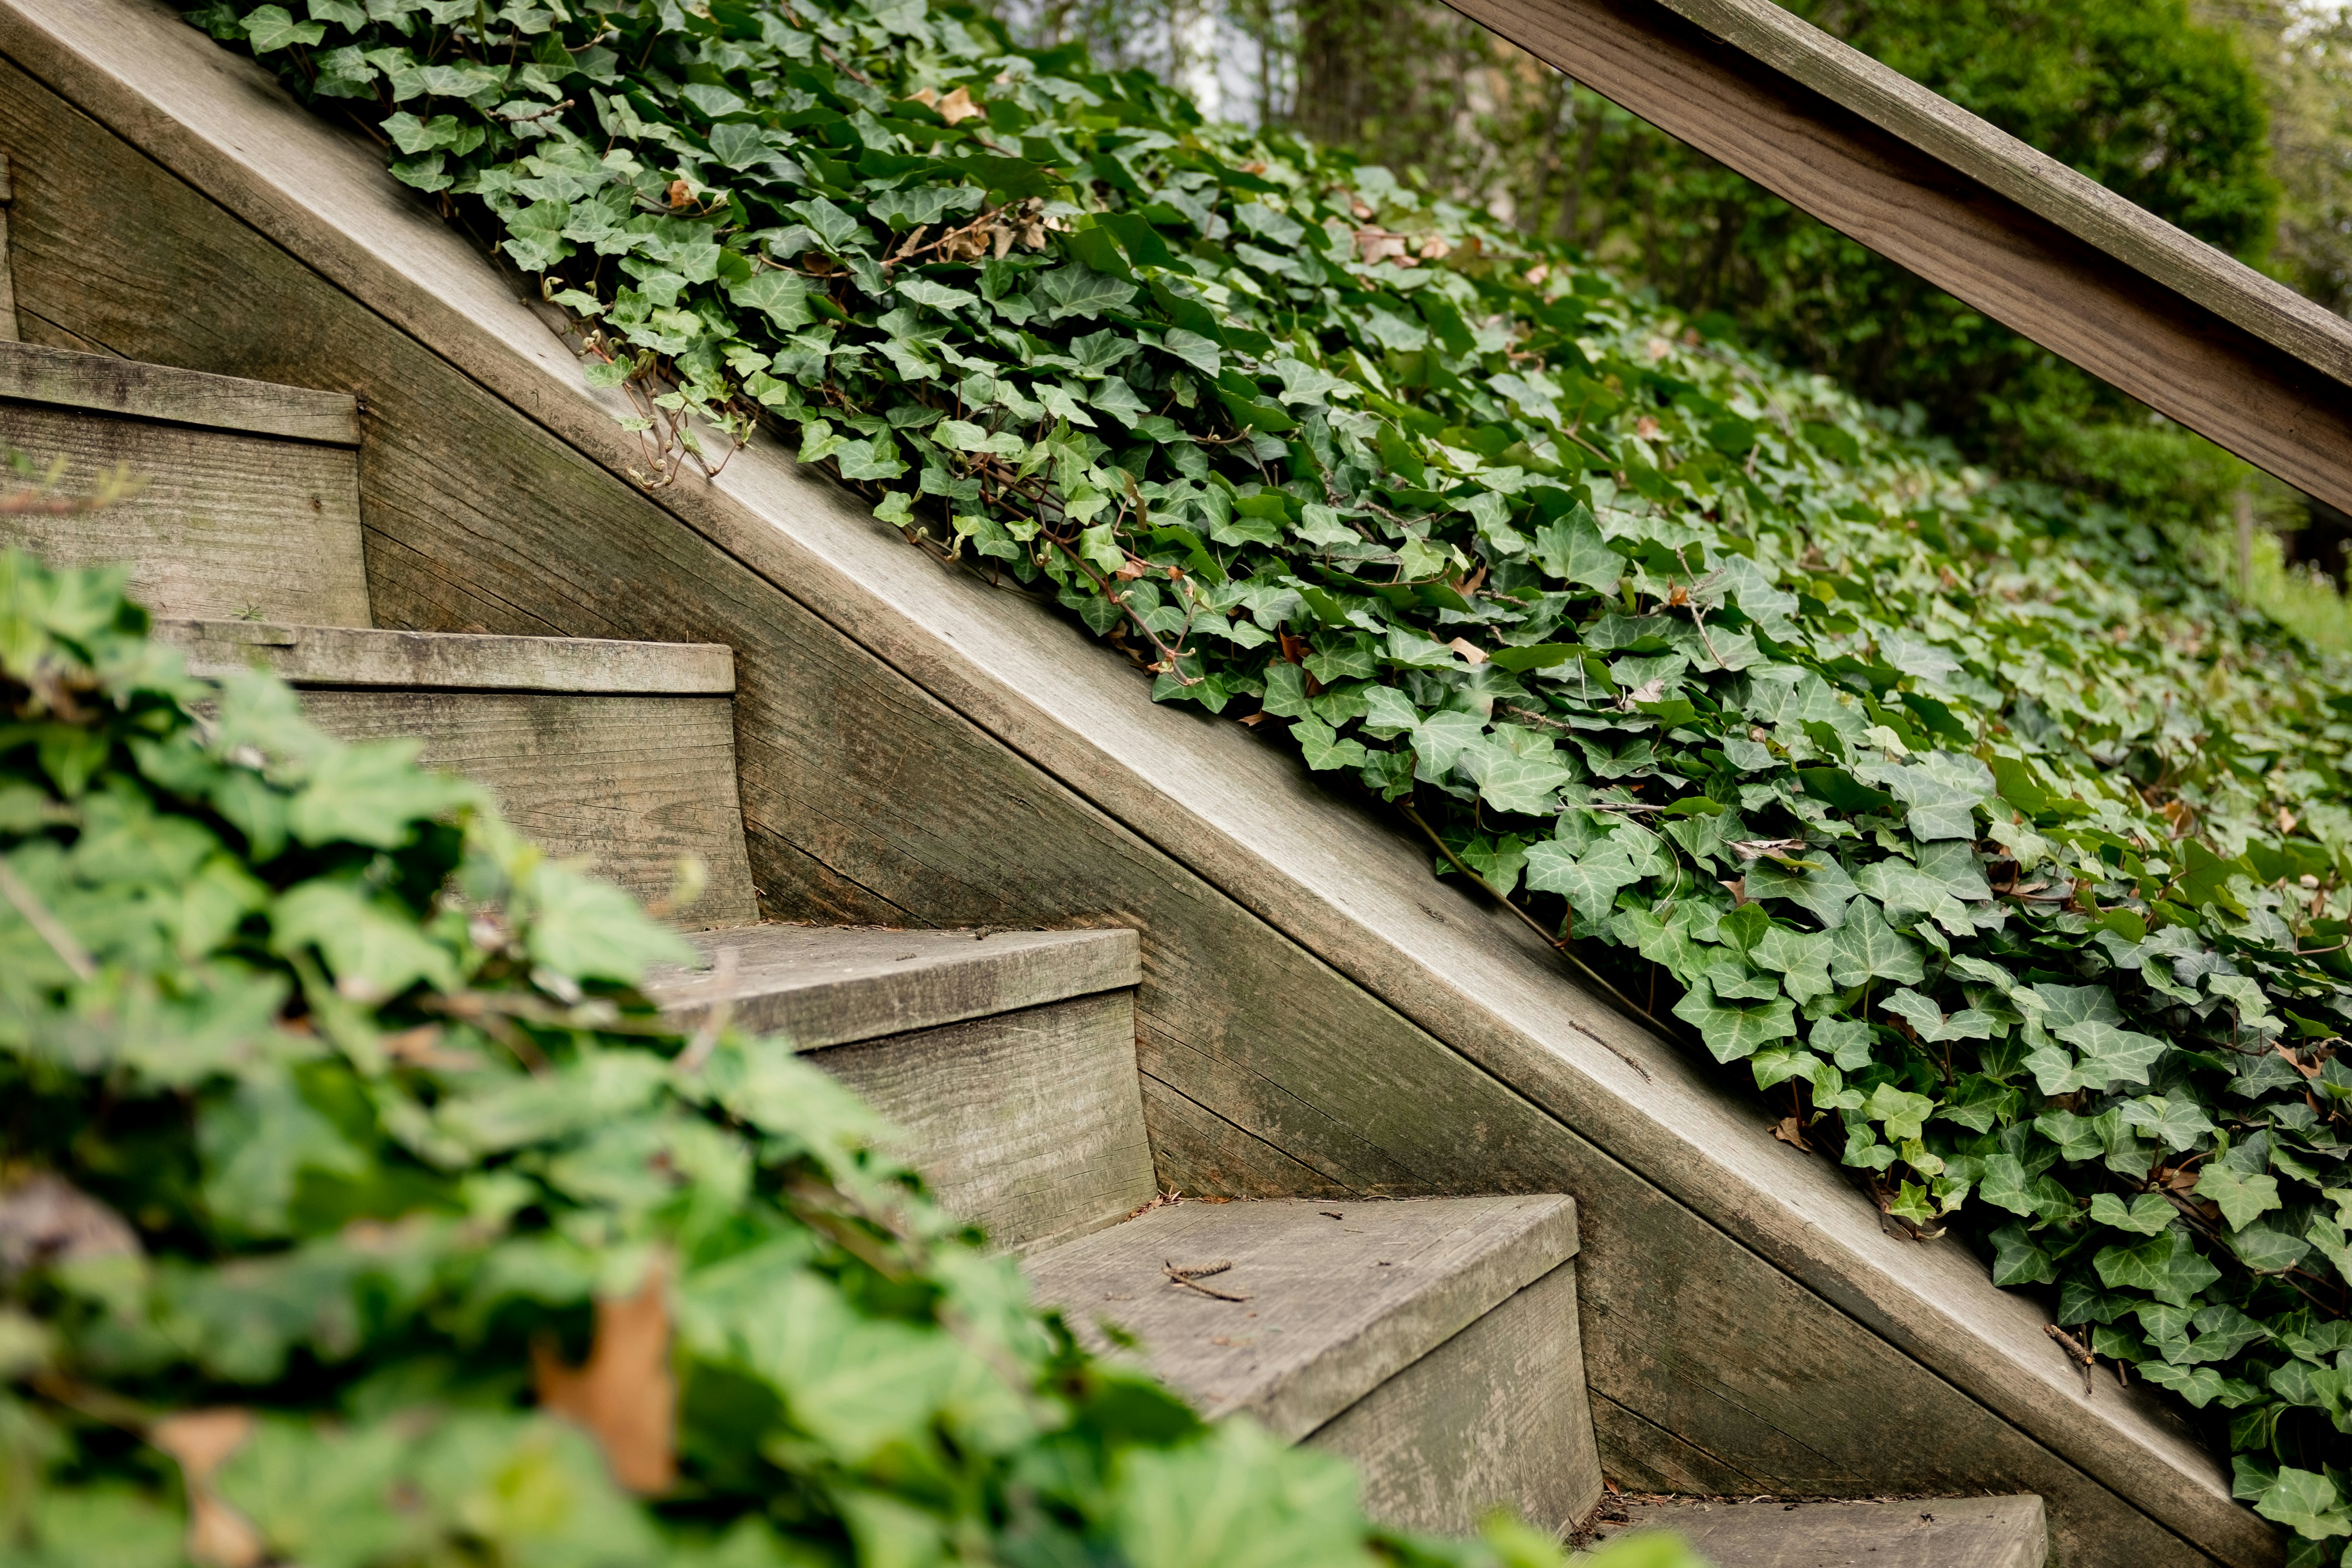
pixel 343 1159
pixel 1970 822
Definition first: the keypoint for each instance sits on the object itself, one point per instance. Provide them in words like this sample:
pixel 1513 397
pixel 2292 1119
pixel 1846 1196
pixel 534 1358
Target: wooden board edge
pixel 1981 151
pixel 368 658
pixel 165 395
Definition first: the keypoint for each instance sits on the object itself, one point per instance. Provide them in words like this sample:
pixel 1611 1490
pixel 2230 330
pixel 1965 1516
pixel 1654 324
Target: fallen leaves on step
pixel 200 1440
pixel 625 1395
pixel 1788 1130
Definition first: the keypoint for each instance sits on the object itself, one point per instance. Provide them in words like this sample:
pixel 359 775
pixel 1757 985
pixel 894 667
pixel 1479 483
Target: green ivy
pixel 336 1128
pixel 2003 854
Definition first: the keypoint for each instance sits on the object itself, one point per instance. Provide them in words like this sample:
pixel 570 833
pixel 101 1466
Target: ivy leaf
pixel 1590 881
pixel 1199 353
pixel 2180 1122
pixel 2166 1265
pixel 535 236
pixel 835 229
pixel 270 27
pixel 2148 1213
pixel 1075 289
pixel 782 297
pixel 2110 1054
pixel 372 951
pixel 1866 949
pixel 1571 549
pixel 1822 889
pixel 1323 747
pixel 2306 1503
pixel 938 295
pixel 1732 1033
pixel 371 793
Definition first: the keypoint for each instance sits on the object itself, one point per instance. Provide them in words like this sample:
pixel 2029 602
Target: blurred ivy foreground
pixel 359 1213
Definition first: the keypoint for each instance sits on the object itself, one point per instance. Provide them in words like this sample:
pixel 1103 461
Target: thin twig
pixel 1557 944
pixel 1189 1278
pixel 51 930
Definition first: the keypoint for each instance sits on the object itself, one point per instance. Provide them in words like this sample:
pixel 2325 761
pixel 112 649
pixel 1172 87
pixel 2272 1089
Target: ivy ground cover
pixel 2004 854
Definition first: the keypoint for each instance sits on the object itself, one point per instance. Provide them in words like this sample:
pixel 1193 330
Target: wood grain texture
pixel 916 748
pixel 1027 1124
pixel 2175 323
pixel 451 660
pixel 101 384
pixel 1932 1532
pixel 1496 1416
pixel 225 524
pixel 829 985
pixel 632 783
pixel 1341 1297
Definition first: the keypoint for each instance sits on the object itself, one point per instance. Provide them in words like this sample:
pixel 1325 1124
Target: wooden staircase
pixel 1435 1341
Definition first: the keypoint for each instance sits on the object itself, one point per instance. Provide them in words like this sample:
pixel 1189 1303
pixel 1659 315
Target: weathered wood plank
pixel 633 783
pixel 1496 1416
pixel 1341 1297
pixel 915 747
pixel 830 984
pixel 451 660
pixel 226 525
pixel 1931 1532
pixel 1026 1123
pixel 101 384
pixel 2032 243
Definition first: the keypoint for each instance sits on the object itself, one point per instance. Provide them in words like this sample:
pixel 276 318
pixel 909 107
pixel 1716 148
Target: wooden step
pixel 249 499
pixel 1007 1057
pixel 1434 1340
pixel 1931 1532
pixel 621 752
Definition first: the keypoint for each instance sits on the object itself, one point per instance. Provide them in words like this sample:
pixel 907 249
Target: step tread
pixel 102 384
pixel 1932 1532
pixel 820 986
pixel 1335 1307
pixel 335 656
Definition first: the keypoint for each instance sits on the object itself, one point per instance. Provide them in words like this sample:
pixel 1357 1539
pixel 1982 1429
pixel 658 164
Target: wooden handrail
pixel 2192 332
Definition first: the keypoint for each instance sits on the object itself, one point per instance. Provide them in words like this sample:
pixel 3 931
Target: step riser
pixel 820 985
pixel 1496 1416
pixel 227 524
pixel 1029 1124
pixel 632 782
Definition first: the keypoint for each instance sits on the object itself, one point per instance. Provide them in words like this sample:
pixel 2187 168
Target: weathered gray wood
pixel 1027 1124
pixel 226 525
pixel 633 783
pixel 1932 1532
pixel 452 661
pixel 1496 1416
pixel 1342 1297
pixel 2078 269
pixel 102 384
pixel 916 748
pixel 829 985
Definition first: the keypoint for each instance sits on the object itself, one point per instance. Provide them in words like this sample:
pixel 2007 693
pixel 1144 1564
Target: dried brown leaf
pixel 958 107
pixel 200 1440
pixel 625 1395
